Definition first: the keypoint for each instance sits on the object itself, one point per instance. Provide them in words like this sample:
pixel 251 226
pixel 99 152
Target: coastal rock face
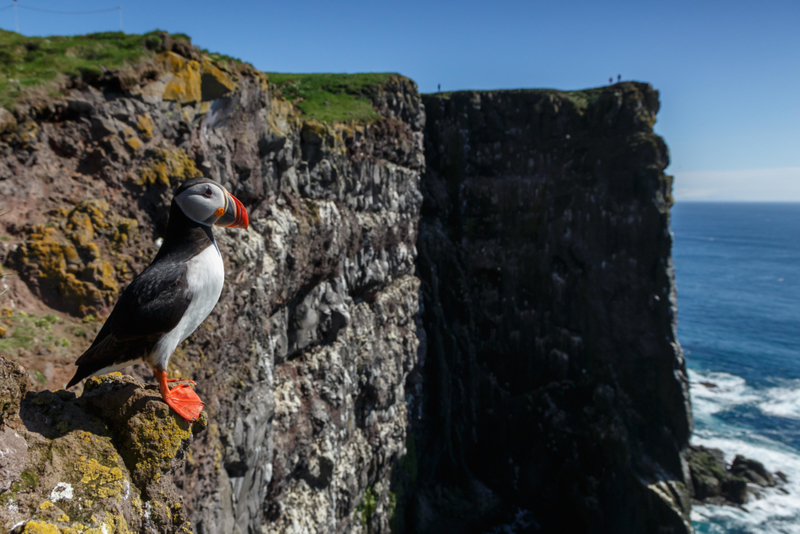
pixel 302 364
pixel 551 384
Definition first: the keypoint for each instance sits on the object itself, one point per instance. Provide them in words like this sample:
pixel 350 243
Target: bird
pixel 170 298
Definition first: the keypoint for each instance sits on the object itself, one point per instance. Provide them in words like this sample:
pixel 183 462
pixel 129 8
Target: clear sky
pixel 728 72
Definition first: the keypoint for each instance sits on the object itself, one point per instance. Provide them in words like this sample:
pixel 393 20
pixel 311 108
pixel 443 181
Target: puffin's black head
pixel 206 202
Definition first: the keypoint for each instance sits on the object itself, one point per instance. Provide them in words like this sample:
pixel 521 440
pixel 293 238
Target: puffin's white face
pixel 208 203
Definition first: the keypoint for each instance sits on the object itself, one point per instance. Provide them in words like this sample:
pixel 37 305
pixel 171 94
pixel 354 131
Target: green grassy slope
pixel 331 97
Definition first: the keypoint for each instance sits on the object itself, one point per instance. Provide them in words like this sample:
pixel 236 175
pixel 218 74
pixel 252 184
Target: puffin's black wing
pixel 150 306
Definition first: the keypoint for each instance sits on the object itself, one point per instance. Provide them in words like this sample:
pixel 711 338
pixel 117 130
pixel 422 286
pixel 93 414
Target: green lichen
pixel 366 508
pixel 28 480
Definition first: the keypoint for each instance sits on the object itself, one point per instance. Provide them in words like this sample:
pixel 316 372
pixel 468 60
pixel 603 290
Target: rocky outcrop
pixel 552 381
pixel 302 364
pixel 716 482
pixel 106 461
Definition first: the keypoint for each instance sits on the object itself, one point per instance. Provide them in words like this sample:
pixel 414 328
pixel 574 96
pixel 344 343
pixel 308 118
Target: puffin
pixel 168 300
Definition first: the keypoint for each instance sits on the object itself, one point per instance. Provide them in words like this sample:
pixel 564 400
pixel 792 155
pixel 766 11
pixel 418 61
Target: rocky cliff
pixel 524 364
pixel 553 390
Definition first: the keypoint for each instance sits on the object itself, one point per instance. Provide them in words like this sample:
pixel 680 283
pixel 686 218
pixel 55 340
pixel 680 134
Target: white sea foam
pixel 716 392
pixel 782 401
pixel 775 512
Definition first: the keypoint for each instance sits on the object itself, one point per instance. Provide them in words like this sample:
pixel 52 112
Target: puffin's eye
pixel 208 192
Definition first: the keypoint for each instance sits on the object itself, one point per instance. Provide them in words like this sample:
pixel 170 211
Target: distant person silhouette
pixel 439 88
pixel 611 80
pixel 619 77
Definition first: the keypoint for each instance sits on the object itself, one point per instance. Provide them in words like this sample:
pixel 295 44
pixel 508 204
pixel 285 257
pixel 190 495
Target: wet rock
pixel 752 470
pixel 717 483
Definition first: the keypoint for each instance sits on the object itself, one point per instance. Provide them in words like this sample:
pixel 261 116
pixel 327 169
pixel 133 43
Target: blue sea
pixel 737 268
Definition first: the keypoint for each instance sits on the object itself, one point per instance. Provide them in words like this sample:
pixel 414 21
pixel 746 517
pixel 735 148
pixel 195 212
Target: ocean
pixel 737 268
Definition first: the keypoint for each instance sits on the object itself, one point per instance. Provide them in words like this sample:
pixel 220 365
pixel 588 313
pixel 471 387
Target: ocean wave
pixel 775 512
pixel 782 401
pixel 716 392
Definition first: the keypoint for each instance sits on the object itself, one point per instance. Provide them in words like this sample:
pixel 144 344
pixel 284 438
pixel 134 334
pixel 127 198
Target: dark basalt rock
pixel 752 470
pixel 552 375
pixel 717 483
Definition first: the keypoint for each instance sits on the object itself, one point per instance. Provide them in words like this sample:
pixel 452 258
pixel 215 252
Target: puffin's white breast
pixel 205 275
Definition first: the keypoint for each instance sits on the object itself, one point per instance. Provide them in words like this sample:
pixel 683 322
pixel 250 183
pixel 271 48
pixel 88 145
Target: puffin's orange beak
pixel 235 215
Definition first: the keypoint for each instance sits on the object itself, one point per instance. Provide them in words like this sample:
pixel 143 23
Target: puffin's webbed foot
pixel 182 398
pixel 192 382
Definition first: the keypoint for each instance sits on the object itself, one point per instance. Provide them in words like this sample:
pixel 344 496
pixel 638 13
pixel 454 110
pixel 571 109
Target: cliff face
pixel 552 380
pixel 302 364
pixel 546 376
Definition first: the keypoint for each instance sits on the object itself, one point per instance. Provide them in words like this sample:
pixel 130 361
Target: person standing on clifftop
pixel 439 88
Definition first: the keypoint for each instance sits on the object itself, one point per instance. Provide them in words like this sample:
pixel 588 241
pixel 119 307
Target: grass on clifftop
pixel 582 98
pixel 30 62
pixel 331 97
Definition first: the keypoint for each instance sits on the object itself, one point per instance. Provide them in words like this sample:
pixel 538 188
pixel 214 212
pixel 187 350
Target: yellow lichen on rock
pixel 125 230
pixel 134 142
pixel 156 441
pixel 184 83
pixel 145 125
pixel 102 482
pixel 56 261
pixel 45 505
pixel 66 256
pixel 27 132
pixel 167 165
pixel 214 81
pixel 38 527
pixel 189 81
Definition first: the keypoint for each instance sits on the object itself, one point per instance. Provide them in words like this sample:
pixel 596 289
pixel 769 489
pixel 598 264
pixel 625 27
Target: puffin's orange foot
pixel 185 402
pixel 182 398
pixel 192 382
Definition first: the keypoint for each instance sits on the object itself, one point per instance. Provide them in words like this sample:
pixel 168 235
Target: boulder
pixel 752 470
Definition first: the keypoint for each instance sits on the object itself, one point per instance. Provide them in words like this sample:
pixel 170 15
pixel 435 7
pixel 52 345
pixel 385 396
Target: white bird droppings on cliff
pixel 63 490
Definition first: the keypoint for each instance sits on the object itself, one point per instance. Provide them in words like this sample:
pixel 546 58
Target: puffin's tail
pixel 84 371
pixel 94 359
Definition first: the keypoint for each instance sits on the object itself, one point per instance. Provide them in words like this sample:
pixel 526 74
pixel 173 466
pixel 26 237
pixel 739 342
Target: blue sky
pixel 728 72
